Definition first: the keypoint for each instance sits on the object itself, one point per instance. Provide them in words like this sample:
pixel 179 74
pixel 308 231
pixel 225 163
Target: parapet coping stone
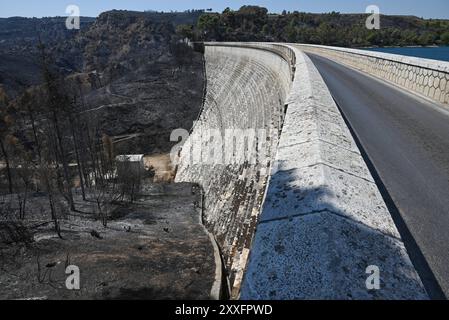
pixel 324 221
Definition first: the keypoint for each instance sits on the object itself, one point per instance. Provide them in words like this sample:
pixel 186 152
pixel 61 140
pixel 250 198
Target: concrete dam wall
pixel 303 218
pixel 428 78
pixel 246 92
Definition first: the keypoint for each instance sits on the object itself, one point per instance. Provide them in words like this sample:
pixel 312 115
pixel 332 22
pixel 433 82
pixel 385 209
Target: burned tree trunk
pixel 8 167
pixel 77 155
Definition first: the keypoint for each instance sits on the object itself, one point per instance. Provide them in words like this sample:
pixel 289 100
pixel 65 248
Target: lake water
pixel 437 53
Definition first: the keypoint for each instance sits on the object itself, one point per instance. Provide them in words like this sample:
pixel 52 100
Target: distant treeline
pixel 253 23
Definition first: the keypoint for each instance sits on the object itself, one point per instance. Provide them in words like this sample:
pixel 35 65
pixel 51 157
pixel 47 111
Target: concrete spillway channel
pixel 304 218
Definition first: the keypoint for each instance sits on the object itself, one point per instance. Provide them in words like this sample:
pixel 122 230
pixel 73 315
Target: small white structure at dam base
pixel 130 165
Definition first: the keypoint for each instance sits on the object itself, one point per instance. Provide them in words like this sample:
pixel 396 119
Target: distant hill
pixel 131 69
pixel 177 18
pixel 16 31
pixel 100 41
pixel 252 23
pixel 19 37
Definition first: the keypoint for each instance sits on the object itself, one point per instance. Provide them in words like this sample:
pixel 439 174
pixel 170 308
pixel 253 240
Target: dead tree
pixel 46 176
pixel 73 124
pixel 6 122
pixel 106 190
pixel 29 107
pixel 8 165
pixel 56 102
pixel 23 173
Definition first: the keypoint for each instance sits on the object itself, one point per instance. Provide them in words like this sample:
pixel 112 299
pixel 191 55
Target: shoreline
pixel 439 53
pixel 401 47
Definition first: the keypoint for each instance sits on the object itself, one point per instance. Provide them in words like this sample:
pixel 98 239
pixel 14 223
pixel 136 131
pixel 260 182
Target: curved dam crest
pixel 304 219
pixel 246 92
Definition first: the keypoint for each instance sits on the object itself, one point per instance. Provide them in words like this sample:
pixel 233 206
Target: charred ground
pixel 70 102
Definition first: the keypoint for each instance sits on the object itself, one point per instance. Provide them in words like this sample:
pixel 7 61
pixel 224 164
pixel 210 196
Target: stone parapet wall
pixel 428 78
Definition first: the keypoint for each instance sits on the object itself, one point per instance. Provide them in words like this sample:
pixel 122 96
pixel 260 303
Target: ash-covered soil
pixel 155 248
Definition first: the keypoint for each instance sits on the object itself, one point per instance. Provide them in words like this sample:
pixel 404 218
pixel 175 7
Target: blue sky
pixel 34 8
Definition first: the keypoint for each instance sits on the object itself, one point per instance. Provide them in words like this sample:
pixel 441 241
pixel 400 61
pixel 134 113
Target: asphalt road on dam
pixel 406 139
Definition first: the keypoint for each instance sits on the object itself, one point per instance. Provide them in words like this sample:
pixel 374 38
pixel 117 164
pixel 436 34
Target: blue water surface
pixel 435 53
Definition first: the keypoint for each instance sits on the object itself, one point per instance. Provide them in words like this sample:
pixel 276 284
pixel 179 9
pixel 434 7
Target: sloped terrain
pixel 155 248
